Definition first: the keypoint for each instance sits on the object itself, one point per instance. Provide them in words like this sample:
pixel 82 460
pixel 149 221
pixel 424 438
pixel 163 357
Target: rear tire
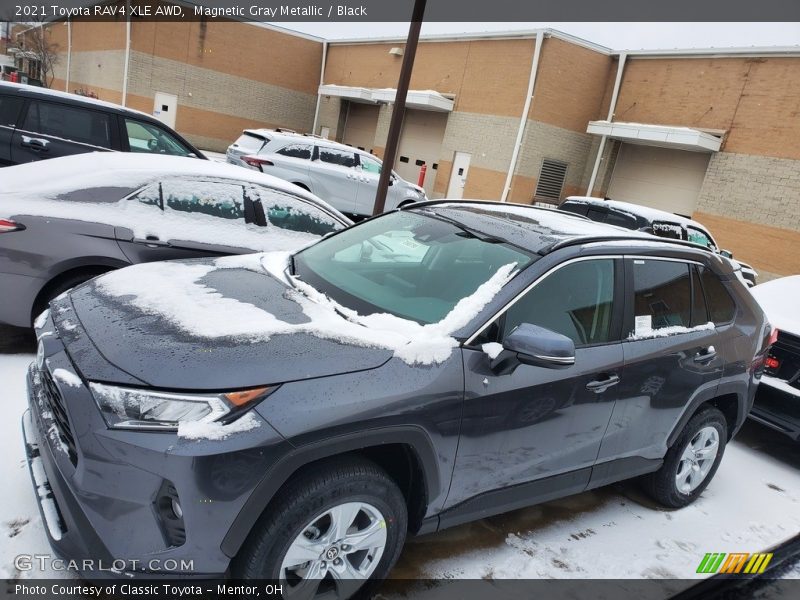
pixel 691 462
pixel 341 523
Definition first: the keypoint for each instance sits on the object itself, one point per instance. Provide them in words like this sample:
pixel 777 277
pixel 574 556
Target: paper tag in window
pixel 643 324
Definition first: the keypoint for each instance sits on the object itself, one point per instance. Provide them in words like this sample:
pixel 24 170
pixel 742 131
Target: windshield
pixel 412 266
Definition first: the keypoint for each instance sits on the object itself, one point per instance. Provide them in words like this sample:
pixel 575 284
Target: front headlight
pixel 131 408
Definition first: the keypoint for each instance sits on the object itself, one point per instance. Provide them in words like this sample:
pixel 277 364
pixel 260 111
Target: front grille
pixel 56 405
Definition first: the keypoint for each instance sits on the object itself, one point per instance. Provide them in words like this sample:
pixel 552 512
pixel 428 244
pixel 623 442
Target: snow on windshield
pixel 176 292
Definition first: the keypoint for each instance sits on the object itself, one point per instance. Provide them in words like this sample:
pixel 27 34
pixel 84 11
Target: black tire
pixel 662 485
pixel 305 498
pixel 64 285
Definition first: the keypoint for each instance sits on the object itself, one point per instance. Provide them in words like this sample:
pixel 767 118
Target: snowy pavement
pixel 615 532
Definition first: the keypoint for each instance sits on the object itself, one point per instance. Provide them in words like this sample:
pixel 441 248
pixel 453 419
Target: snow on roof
pixel 652 214
pixel 56 176
pixel 778 298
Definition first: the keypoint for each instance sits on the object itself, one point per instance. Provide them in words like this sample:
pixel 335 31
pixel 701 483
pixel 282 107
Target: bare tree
pixel 39 47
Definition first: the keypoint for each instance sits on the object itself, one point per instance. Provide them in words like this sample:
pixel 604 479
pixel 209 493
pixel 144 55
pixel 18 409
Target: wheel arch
pixel 730 404
pixel 417 473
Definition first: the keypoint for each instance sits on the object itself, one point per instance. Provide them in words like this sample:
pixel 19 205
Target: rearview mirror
pixel 540 347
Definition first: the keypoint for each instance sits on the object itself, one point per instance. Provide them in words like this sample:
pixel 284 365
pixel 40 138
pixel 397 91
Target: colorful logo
pixel 735 562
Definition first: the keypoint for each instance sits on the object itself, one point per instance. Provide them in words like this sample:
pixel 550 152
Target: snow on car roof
pixel 778 298
pixel 72 97
pixel 51 177
pixel 649 213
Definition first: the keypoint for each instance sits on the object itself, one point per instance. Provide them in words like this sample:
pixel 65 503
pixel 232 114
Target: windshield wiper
pixel 473 233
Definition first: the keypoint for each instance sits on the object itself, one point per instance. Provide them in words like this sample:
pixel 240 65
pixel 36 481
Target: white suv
pixel 345 177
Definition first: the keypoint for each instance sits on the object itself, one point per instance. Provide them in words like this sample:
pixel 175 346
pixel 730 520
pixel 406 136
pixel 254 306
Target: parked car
pixel 38 123
pixel 777 404
pixel 92 214
pixel 297 421
pixel 343 176
pixel 652 220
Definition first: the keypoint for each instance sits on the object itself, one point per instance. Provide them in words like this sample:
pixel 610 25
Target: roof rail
pixel 597 239
pixel 489 202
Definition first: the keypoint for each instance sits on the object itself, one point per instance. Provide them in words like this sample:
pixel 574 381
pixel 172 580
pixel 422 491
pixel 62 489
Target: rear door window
pixel 335 156
pixel 69 123
pixel 662 295
pixel 9 110
pixel 721 307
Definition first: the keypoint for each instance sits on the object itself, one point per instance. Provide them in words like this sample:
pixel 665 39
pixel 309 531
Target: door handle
pixel 151 241
pixel 37 144
pixel 706 356
pixel 599 386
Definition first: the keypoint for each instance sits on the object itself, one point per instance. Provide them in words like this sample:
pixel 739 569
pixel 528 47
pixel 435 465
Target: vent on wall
pixel 551 180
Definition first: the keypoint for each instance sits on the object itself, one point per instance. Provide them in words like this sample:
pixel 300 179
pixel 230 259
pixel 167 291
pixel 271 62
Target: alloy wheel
pixel 697 459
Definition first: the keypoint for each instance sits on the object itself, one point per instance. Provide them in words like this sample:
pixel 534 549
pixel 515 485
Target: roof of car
pixel 537 229
pixel 125 169
pixel 310 138
pixel 646 212
pixel 40 91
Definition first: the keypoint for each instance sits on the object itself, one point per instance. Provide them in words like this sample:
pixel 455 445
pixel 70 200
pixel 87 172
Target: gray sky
pixel 618 36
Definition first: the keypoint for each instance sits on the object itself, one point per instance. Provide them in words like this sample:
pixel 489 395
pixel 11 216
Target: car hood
pixel 151 347
pixel 778 298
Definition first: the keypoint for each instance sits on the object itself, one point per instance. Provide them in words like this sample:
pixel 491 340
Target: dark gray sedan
pixel 67 220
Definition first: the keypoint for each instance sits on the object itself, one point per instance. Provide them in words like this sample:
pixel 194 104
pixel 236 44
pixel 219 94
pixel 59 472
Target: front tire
pixel 691 462
pixel 337 529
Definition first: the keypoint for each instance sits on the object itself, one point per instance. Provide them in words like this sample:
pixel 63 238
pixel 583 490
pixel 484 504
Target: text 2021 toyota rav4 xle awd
pixel 295 417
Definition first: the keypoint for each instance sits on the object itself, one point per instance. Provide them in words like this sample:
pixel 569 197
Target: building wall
pixel 227 76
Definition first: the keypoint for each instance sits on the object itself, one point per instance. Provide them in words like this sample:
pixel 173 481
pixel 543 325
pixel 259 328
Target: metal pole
pixel 69 53
pixel 399 106
pixel 612 106
pixel 321 82
pixel 127 53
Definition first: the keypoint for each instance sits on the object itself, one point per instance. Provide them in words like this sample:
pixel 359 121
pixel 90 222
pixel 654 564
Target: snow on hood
pixel 175 291
pixel 169 224
pixel 778 298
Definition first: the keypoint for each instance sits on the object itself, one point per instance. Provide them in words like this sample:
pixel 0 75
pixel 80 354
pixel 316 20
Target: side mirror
pixel 540 347
pixel 392 179
pixel 726 253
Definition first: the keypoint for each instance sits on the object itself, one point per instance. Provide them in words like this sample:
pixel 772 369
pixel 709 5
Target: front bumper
pixel 102 492
pixel 777 407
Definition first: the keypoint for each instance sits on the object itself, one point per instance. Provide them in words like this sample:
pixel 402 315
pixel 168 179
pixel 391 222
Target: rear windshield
pixel 249 142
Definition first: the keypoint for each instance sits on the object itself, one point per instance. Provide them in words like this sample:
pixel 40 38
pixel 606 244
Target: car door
pixel 334 174
pixel 536 425
pixel 185 218
pixel 52 129
pixel 291 163
pixel 672 357
pixel 10 106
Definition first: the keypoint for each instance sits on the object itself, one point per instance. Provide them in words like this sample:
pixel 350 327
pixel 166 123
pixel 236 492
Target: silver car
pixel 345 177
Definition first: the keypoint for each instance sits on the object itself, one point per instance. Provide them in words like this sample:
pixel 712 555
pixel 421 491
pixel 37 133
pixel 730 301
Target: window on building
pixel 551 180
pixel 68 122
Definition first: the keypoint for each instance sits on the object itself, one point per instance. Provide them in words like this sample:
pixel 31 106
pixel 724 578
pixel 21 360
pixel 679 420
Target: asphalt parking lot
pixel 751 506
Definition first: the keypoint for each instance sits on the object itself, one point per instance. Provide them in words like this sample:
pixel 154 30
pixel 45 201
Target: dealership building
pixel 520 116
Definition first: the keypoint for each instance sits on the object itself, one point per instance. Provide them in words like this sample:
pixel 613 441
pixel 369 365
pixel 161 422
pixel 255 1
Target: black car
pixel 654 221
pixel 38 123
pixel 295 418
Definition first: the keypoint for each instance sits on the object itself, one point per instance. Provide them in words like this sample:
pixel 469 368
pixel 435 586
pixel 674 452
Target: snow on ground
pixel 215 156
pixel 615 532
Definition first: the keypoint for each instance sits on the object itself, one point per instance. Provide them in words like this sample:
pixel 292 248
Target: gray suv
pixel 343 176
pixel 294 418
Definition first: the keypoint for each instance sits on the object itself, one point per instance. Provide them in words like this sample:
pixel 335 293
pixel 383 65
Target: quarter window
pixel 335 156
pixel 721 307
pixel 370 165
pixel 70 123
pixel 575 300
pixel 662 295
pixel 296 151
